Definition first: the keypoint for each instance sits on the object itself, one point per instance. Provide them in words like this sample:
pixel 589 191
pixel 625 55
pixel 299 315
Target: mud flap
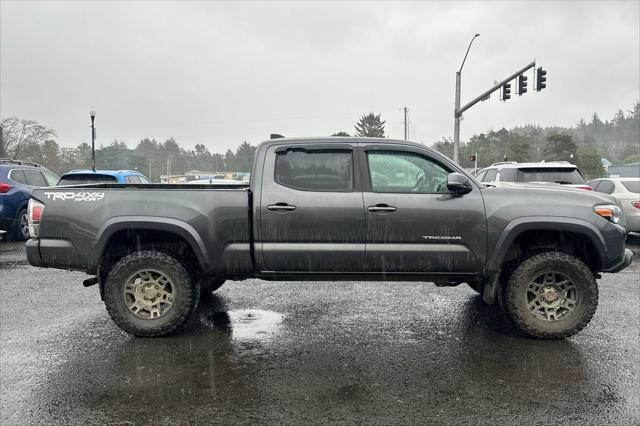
pixel 490 293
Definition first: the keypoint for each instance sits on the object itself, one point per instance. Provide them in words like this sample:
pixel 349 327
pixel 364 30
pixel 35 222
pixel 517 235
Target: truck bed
pixel 80 218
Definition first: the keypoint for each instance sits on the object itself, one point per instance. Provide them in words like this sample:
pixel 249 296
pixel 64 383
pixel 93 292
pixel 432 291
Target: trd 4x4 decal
pixel 75 196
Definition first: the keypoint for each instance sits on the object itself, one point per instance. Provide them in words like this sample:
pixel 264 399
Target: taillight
pixel 636 204
pixel 4 187
pixel 585 187
pixel 34 212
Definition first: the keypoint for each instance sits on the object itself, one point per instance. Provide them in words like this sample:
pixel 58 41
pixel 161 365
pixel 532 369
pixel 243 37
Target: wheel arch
pixel 567 230
pixel 143 230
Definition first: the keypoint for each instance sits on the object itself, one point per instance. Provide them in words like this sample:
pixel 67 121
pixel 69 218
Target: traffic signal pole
pixel 459 110
pixel 456 122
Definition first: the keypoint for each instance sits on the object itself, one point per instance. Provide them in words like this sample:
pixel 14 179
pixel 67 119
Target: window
pixel 131 179
pixel 606 187
pixel 632 186
pixel 18 176
pixel 480 176
pixel 491 175
pixel 396 171
pixel 52 180
pixel 79 179
pixel 507 175
pixel 594 184
pixel 143 179
pixel 34 178
pixel 562 175
pixel 318 170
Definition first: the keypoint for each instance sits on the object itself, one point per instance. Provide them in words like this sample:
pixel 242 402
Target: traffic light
pixel 506 91
pixel 541 79
pixel 522 84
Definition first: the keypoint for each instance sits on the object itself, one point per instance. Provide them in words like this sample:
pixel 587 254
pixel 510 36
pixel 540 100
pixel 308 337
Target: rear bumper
pixel 53 253
pixel 7 224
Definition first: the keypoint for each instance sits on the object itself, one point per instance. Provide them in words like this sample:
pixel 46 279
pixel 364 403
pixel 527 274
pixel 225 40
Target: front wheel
pixel 150 293
pixel 551 295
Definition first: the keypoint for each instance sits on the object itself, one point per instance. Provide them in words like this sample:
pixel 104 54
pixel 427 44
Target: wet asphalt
pixel 314 352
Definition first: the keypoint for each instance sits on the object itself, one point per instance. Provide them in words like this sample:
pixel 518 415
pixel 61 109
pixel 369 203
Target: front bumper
pixel 626 261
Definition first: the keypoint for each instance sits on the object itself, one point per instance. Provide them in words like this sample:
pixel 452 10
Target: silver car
pixel 626 191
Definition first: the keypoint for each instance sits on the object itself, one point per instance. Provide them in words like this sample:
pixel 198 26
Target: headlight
pixel 611 212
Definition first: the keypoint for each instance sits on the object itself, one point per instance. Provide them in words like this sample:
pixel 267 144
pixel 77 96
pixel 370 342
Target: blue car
pixel 17 180
pixel 78 177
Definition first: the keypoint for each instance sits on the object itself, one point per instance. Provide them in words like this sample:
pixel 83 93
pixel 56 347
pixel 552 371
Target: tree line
pixel 584 144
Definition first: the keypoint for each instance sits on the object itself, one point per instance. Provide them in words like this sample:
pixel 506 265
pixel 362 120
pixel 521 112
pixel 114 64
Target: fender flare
pixel 175 226
pixel 544 223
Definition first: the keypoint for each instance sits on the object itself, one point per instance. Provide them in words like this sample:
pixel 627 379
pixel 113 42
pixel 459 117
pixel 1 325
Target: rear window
pixel 17 176
pixel 321 170
pixel 79 179
pixel 632 186
pixel 34 178
pixel 564 175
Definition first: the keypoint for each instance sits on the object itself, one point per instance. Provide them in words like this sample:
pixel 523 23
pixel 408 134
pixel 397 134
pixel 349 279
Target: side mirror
pixel 458 183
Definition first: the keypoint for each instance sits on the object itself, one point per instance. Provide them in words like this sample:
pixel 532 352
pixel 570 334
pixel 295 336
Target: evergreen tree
pixel 370 125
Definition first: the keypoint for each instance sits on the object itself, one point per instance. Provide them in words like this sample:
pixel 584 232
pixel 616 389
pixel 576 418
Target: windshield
pixel 632 185
pixel 563 175
pixel 79 179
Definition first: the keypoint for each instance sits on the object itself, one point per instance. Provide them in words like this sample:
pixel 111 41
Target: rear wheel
pixel 21 227
pixel 551 295
pixel 150 293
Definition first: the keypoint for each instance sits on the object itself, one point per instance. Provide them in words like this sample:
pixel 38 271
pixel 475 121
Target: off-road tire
pixel 514 295
pixel 186 298
pixel 209 285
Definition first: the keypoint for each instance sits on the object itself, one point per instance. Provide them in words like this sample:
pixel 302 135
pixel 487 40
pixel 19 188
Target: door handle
pixel 382 208
pixel 281 207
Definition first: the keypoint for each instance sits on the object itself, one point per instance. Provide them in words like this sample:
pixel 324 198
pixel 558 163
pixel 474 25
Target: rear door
pixel 413 223
pixel 311 210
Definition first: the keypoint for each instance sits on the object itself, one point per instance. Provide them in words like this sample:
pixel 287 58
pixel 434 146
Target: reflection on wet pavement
pixel 273 352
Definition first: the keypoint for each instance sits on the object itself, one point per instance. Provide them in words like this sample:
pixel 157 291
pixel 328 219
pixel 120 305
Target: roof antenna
pixel 276 136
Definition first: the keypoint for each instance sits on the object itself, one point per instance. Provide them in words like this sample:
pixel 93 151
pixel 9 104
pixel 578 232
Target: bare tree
pixel 15 133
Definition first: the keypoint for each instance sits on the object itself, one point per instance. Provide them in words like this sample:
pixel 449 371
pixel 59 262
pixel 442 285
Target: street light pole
pixel 92 114
pixel 457 117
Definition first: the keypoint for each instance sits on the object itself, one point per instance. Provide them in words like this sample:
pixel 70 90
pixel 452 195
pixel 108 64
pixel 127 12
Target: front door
pixel 311 210
pixel 413 223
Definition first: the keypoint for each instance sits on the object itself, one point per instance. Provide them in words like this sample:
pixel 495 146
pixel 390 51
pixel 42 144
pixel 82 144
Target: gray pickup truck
pixel 334 209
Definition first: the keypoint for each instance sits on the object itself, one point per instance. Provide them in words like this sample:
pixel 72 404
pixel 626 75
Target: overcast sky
pixel 221 73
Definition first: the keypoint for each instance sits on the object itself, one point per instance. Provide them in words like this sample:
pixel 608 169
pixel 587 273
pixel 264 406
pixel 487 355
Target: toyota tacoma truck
pixel 334 209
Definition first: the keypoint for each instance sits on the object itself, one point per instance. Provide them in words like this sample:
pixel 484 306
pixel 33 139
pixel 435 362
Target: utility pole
pixel 92 114
pixel 456 117
pixel 406 135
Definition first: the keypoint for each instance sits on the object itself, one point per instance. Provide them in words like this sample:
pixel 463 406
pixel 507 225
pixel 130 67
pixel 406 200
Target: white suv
pixel 552 172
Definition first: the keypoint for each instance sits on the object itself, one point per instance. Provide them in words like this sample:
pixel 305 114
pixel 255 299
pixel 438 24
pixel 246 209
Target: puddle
pixel 254 324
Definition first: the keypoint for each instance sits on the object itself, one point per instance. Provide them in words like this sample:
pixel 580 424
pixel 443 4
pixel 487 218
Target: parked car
pixel 626 192
pixel 17 180
pixel 313 212
pixel 552 172
pixel 77 177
